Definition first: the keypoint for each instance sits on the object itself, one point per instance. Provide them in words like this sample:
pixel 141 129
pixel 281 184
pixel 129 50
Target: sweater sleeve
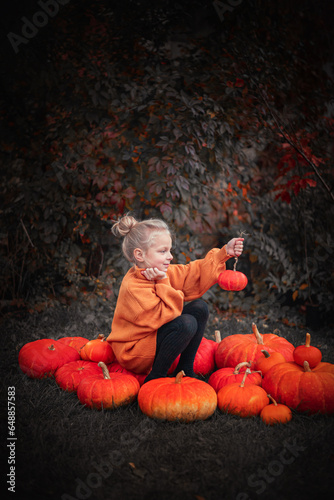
pixel 195 278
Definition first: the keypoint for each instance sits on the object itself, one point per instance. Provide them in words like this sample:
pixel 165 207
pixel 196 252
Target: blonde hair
pixel 138 234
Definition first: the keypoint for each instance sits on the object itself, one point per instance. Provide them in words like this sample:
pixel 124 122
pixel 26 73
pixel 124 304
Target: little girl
pixel 151 324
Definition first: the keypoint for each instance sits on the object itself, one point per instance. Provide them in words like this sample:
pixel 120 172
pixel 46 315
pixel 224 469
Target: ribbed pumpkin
pixel 69 376
pixel 177 398
pixel 275 413
pixel 41 358
pixel 247 347
pixel 98 350
pixel 232 280
pixel 76 342
pixel 308 353
pixel 229 375
pixel 107 391
pixel 264 363
pixel 244 400
pixel 302 388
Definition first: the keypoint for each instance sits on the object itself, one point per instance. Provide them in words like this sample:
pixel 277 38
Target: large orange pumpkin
pixel 247 347
pixel 245 400
pixel 107 390
pixel 98 350
pixel 302 388
pixel 41 358
pixel 177 398
pixel 230 375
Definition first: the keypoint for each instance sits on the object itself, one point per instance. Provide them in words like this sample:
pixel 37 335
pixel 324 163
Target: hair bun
pixel 123 226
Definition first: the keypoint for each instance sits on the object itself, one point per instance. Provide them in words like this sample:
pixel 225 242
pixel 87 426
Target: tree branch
pixel 297 148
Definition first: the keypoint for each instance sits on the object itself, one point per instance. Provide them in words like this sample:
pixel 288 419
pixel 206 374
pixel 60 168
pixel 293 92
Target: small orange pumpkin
pixel 177 398
pixel 232 280
pixel 275 413
pixel 264 363
pixel 244 400
pixel 98 350
pixel 107 391
pixel 307 353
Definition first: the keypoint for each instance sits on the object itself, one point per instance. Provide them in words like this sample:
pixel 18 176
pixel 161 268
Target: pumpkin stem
pixel 308 340
pixel 105 370
pixel 257 334
pixel 272 399
pixel 307 367
pixel 51 347
pixel 247 372
pixel 179 377
pixel 235 263
pixel 240 365
pixel 101 337
pixel 266 353
pixel 217 336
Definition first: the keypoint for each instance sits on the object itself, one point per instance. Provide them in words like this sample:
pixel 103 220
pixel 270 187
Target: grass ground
pixel 65 451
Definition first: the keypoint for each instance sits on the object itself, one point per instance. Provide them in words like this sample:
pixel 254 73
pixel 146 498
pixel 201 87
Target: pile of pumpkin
pixel 249 374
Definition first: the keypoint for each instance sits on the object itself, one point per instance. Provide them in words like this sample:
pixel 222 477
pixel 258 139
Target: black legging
pixel 182 336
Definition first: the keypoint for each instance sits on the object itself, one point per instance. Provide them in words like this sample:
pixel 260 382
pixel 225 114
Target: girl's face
pixel 159 254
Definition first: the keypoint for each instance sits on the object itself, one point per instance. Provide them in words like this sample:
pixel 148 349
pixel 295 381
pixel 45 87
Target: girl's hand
pixel 235 247
pixel 153 273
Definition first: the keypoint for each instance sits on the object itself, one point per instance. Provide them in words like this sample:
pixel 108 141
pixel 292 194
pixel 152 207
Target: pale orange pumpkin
pixel 177 398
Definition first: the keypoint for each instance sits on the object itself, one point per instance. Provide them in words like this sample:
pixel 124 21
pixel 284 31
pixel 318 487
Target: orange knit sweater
pixel 143 306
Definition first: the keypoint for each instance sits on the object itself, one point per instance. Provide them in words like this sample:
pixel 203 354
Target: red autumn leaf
pixel 239 82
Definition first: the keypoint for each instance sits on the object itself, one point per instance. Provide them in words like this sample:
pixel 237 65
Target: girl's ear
pixel 138 255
